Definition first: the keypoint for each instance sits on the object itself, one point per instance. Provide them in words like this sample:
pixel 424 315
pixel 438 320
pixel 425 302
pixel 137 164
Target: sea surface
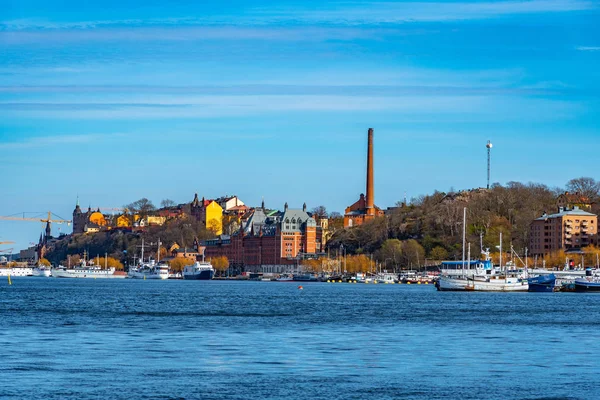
pixel 135 339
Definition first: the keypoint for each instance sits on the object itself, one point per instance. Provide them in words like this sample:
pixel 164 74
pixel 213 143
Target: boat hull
pixel 583 285
pixel 140 275
pixel 205 275
pixel 498 285
pixel 41 273
pixel 542 283
pixel 87 274
pixel 448 284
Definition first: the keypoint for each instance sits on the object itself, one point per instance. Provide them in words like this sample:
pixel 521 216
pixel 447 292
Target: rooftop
pixel 564 212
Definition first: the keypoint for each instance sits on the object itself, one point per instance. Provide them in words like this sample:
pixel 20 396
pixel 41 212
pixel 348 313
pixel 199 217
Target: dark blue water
pixel 268 340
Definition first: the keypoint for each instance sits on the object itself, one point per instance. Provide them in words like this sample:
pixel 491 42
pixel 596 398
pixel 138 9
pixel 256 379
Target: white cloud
pixel 42 141
pixel 588 48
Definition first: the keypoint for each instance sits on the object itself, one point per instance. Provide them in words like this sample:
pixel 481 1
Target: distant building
pixel 272 241
pixel 90 218
pixel 570 200
pixel 229 202
pixel 209 213
pixel 364 209
pixel 566 230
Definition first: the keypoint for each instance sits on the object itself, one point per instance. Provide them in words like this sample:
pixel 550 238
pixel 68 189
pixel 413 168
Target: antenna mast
pixel 489 149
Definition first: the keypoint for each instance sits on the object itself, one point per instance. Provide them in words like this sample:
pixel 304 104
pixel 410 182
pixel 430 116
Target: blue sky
pixel 119 100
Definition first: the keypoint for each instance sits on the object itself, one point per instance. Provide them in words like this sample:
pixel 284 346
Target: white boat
pixel 16 271
pixel 385 277
pixel 87 272
pixel 149 271
pixel 200 270
pixel 285 278
pixel 498 281
pixel 41 271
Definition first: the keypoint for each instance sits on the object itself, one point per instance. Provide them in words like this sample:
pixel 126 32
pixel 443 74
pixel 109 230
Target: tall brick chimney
pixel 370 189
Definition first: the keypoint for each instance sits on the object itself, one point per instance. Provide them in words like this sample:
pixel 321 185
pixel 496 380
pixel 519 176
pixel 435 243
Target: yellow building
pixel 214 217
pixel 156 220
pixel 97 218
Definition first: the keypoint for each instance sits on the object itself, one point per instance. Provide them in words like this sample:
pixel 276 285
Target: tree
pixel 221 263
pixel 177 264
pixel 413 254
pixel 44 262
pixel 319 211
pixel 143 207
pixel 586 186
pixel 439 253
pixel 166 203
pixel 391 250
pixel 214 225
pixel 109 262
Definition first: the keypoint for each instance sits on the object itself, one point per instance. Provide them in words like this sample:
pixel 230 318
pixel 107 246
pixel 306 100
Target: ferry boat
pixel 41 271
pixel 88 272
pixel 149 271
pixel 16 271
pixel 200 270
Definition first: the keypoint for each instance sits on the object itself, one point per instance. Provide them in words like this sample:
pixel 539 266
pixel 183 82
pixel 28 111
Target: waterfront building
pixel 568 229
pixel 364 209
pixel 270 241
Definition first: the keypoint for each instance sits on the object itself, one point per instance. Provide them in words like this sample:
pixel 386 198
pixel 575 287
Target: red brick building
pixel 364 209
pixel 270 241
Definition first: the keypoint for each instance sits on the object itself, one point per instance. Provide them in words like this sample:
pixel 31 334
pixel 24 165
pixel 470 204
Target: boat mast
pixel 464 238
pixel 500 251
pixel 469 258
pixel 142 260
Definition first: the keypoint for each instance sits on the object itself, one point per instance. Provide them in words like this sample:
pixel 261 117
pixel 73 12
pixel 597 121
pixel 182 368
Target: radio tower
pixel 489 148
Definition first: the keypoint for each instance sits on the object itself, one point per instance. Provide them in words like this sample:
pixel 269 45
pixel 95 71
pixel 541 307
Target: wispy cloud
pixel 487 108
pixel 335 13
pixel 43 141
pixel 588 48
pixel 196 33
pixel 544 88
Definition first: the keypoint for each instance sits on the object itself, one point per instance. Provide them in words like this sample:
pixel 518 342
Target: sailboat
pixel 497 282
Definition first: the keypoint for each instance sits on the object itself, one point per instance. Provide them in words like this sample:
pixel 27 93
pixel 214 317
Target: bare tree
pixel 166 203
pixel 585 186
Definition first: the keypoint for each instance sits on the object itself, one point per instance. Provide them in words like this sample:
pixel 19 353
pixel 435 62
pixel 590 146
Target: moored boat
pixel 88 272
pixel 200 270
pixel 41 271
pixel 451 284
pixel 590 283
pixel 149 271
pixel 542 283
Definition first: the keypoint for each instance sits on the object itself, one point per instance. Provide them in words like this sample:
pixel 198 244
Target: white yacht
pixel 149 271
pixel 41 271
pixel 87 271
